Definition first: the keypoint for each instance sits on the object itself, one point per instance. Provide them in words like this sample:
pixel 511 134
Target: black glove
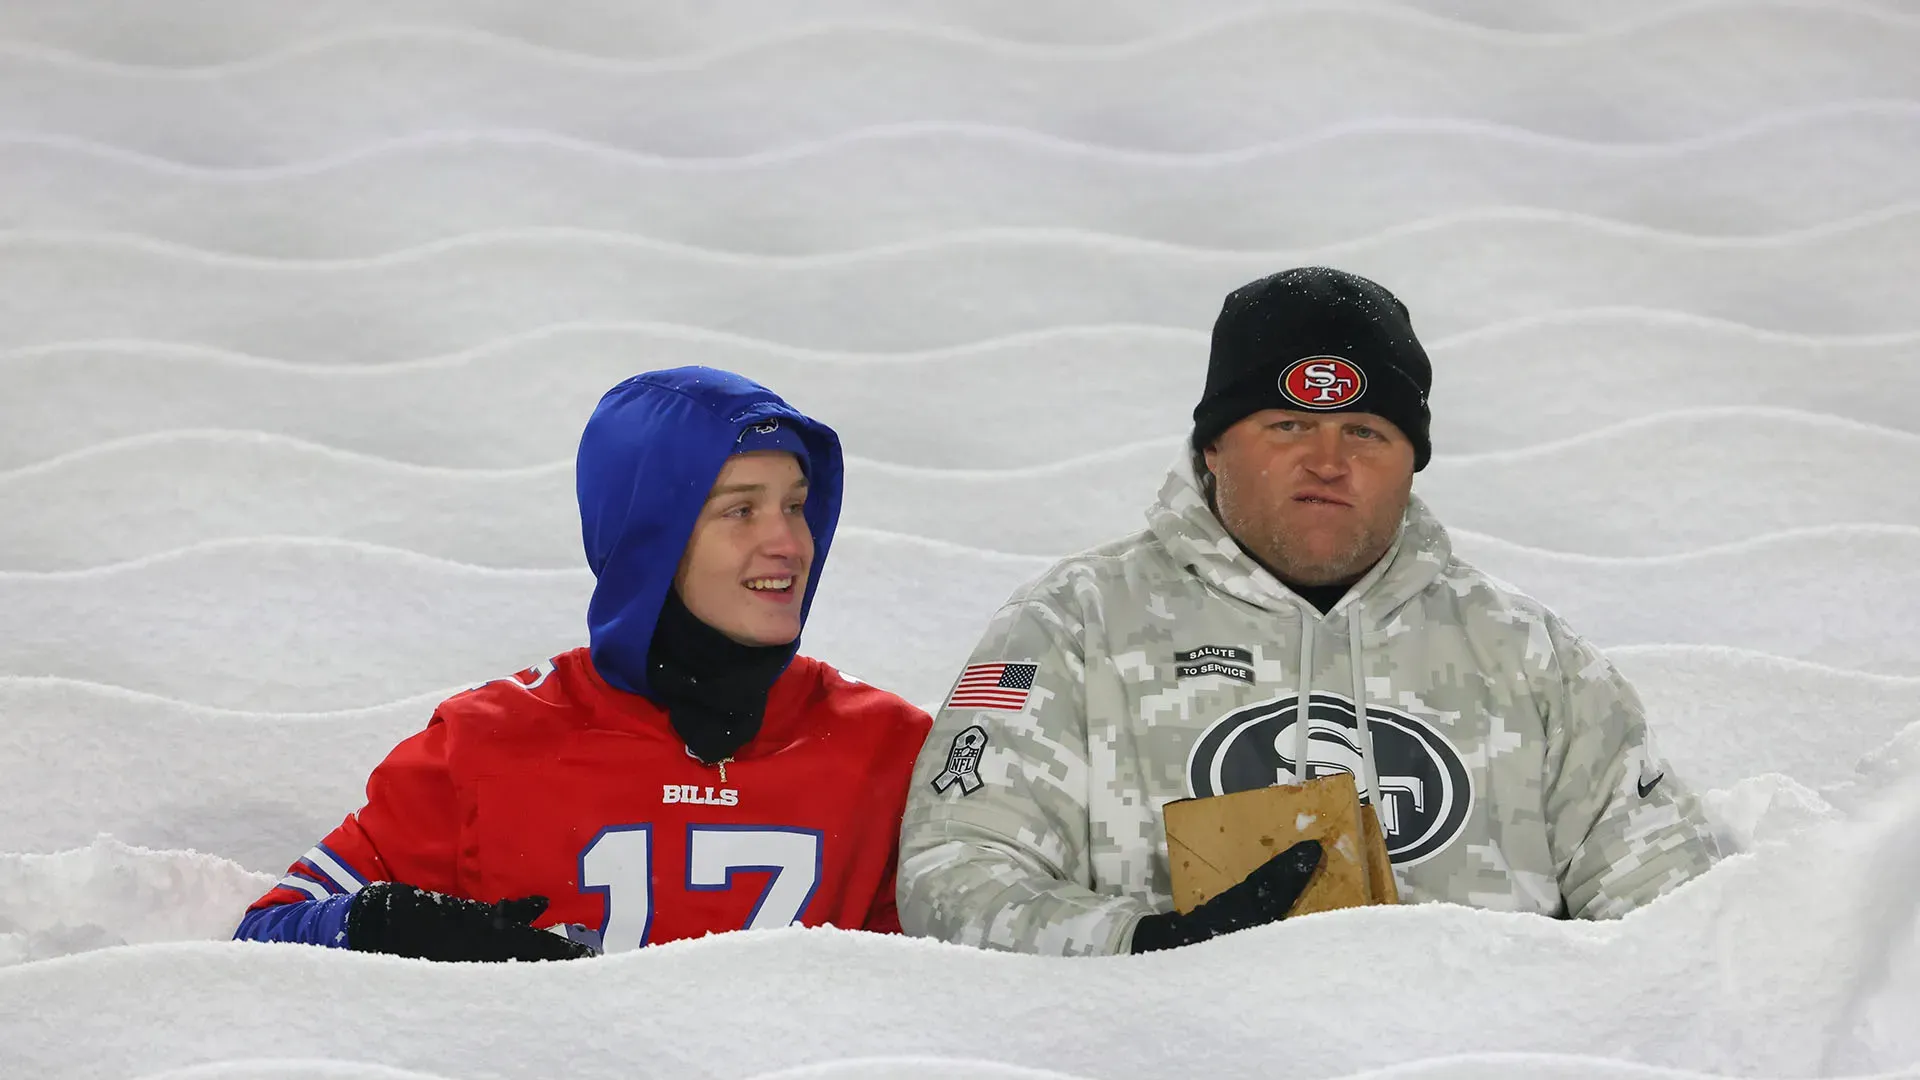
pixel 1265 896
pixel 404 920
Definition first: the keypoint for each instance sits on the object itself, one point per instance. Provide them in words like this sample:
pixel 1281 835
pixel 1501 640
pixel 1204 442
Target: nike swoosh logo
pixel 1646 786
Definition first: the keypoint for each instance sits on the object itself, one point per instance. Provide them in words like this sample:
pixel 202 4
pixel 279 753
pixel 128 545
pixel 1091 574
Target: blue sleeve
pixel 306 922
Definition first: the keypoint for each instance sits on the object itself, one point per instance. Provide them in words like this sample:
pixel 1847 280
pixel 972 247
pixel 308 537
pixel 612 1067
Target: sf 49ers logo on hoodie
pixel 1425 789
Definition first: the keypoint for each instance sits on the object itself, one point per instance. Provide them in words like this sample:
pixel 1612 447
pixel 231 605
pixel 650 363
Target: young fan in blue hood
pixel 592 794
pixel 652 450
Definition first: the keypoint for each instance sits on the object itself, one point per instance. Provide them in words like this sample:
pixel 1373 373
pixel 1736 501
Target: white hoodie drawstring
pixel 1303 709
pixel 1370 782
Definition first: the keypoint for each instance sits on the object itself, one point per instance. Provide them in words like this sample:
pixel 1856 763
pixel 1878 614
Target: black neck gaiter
pixel 1322 597
pixel 713 688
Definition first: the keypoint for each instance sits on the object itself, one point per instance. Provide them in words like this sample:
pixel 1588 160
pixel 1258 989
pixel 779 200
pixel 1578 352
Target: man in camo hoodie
pixel 1286 559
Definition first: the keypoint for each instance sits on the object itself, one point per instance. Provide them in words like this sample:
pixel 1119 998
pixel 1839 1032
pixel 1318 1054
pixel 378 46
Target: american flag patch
pixel 993 686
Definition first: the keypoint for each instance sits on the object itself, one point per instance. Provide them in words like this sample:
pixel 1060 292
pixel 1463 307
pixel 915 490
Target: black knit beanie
pixel 1319 340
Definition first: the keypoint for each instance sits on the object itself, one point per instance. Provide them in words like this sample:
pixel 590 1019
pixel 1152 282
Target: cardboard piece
pixel 1382 887
pixel 1214 843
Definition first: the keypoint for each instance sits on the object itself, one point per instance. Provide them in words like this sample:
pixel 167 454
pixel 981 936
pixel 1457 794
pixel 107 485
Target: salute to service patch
pixel 1230 661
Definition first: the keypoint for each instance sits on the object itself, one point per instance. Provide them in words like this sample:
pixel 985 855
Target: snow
pixel 302 308
pixel 1694 981
pixel 111 894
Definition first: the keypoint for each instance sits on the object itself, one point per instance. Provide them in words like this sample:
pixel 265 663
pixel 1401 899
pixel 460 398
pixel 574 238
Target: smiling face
pixel 1316 497
pixel 745 569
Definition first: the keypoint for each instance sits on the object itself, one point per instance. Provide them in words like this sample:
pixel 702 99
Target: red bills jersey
pixel 554 783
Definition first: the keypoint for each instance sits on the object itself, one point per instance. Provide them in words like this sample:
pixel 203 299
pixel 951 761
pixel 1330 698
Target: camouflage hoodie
pixel 1511 764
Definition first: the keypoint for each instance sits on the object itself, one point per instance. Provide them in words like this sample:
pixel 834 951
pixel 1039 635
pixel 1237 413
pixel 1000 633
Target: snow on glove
pixel 404 920
pixel 1265 896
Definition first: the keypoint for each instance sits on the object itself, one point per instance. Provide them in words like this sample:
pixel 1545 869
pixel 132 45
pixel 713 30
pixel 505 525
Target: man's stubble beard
pixel 1273 547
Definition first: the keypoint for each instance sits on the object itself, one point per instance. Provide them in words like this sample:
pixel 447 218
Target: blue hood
pixel 650 454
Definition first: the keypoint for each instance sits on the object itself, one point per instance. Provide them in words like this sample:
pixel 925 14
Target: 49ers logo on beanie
pixel 1318 339
pixel 1323 382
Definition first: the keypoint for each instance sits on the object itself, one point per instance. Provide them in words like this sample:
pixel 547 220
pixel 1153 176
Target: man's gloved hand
pixel 1265 896
pixel 391 917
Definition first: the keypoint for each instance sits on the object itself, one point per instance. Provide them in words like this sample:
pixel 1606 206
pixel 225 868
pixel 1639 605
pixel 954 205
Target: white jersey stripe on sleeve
pixel 337 872
pixel 311 888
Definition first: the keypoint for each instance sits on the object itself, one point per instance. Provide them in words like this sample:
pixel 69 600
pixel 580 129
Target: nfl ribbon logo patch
pixel 963 762
pixel 999 686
